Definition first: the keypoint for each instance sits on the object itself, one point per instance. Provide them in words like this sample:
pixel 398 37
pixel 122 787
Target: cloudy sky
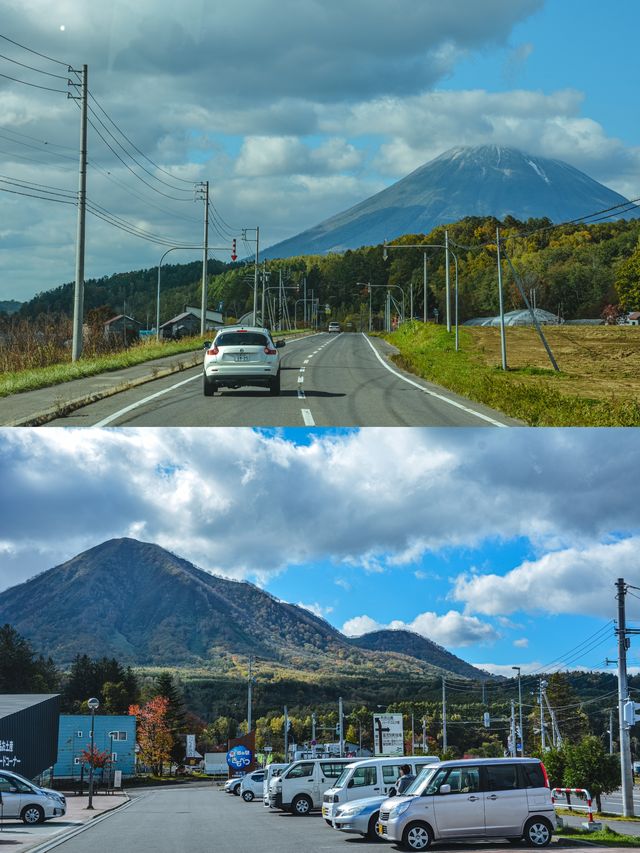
pixel 293 110
pixel 503 546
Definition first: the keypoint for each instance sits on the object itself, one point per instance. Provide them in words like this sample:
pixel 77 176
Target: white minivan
pixel 472 798
pixel 370 777
pixel 21 798
pixel 270 772
pixel 300 787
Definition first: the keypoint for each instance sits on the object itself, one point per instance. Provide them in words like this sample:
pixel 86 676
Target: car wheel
pixel 236 790
pixel 417 836
pixel 210 387
pixel 32 814
pixel 247 796
pixel 537 832
pixel 372 832
pixel 301 805
pixel 274 385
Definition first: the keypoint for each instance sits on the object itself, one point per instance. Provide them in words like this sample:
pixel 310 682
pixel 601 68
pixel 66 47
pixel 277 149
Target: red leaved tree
pixel 154 735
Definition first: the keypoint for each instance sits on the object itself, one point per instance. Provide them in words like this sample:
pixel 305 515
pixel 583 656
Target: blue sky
pixel 294 111
pixel 501 545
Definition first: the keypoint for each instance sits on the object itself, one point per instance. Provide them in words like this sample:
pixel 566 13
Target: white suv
pixel 241 355
pixel 251 786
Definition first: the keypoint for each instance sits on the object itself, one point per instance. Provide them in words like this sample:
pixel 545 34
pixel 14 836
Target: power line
pixel 31 68
pixel 31 195
pixel 35 139
pixel 34 85
pixel 19 182
pixel 35 52
pixel 125 225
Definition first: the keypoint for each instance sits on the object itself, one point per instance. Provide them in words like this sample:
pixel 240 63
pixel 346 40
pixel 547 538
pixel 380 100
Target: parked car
pixel 334 327
pixel 251 785
pixel 22 799
pixel 300 787
pixel 370 777
pixel 359 817
pixel 271 771
pixel 474 798
pixel 240 356
pixel 232 786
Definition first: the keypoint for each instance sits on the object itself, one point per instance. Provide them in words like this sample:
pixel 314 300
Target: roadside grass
pixel 605 837
pixel 15 382
pixel 598 384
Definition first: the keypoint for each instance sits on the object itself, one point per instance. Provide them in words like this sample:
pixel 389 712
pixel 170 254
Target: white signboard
pixel 117 778
pixel 191 746
pixel 388 735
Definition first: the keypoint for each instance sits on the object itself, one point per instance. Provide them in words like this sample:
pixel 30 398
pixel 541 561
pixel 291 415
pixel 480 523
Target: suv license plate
pixel 241 358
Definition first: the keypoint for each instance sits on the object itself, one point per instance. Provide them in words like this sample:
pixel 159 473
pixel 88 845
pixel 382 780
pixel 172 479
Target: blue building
pixel 112 734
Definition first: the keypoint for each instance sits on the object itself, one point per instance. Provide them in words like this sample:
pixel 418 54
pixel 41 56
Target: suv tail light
pixel 546 777
pixel 269 351
pixel 213 351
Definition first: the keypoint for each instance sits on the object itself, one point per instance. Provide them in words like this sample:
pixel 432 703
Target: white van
pixel 370 777
pixel 472 798
pixel 22 799
pixel 300 787
pixel 271 771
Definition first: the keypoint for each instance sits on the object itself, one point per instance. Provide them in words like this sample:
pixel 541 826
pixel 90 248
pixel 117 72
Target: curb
pixel 44 846
pixel 62 409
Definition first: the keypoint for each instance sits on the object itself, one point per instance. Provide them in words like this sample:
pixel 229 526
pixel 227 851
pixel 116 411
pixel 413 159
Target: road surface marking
pixel 308 417
pixel 110 418
pixel 428 391
pixel 301 394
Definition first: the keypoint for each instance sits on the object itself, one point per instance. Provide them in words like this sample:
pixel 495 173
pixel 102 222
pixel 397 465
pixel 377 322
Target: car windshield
pixel 239 339
pixel 421 781
pixel 342 778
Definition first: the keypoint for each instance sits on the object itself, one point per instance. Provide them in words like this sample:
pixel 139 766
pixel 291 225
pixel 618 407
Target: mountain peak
pixel 480 180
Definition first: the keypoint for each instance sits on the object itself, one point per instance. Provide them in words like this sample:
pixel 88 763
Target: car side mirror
pixel 445 789
pixel 206 345
pixel 351 782
pixel 279 344
pixel 392 792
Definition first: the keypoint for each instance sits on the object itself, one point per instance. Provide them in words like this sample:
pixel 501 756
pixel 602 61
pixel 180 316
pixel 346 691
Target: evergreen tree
pixel 20 670
pixel 175 714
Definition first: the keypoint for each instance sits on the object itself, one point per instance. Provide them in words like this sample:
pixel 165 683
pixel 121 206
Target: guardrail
pixel 576 791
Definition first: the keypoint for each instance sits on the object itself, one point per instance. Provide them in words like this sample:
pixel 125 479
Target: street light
pixel 93 704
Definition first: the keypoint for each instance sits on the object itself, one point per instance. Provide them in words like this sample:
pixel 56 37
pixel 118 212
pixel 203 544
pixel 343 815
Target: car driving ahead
pixel 239 356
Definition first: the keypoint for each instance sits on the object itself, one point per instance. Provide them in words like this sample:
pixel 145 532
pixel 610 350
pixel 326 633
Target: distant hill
pixel 9 306
pixel 417 646
pixel 142 604
pixel 486 180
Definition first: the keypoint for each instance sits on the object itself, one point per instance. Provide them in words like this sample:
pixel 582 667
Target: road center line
pixel 110 418
pixel 428 391
pixel 308 417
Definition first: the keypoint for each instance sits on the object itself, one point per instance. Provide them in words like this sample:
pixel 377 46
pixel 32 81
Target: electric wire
pixel 35 148
pixel 35 52
pixel 35 139
pixel 34 85
pixel 31 195
pixel 97 209
pixel 31 68
pixel 43 187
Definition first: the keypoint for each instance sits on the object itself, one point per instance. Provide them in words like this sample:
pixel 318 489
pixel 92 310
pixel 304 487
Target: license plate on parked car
pixel 241 358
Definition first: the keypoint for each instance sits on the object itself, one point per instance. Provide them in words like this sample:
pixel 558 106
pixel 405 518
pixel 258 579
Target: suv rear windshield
pixel 239 339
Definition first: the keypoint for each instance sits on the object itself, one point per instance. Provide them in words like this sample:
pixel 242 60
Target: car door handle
pixel 492 797
pixel 473 799
pixel 376 789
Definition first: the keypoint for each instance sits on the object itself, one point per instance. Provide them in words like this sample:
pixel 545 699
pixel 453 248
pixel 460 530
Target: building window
pixel 118 735
pixel 78 734
pixel 114 757
pixel 76 761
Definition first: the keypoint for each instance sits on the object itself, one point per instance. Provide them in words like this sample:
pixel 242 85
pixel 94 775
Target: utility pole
pixel 255 287
pixel 341 727
pixel 313 726
pixel 205 252
pixel 503 340
pixel 78 294
pixel 413 735
pixel 249 686
pixel 286 734
pixel 520 711
pixel 610 732
pixel 543 741
pixel 424 734
pixel 513 751
pixel 623 696
pixel 444 714
pixel 447 283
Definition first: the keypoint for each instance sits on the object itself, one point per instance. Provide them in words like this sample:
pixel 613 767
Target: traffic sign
pixel 388 737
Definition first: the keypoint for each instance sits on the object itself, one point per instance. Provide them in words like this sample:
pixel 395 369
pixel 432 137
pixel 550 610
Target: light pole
pixel 255 289
pixel 93 704
pixel 520 711
pixel 173 249
pixel 388 287
pixel 448 250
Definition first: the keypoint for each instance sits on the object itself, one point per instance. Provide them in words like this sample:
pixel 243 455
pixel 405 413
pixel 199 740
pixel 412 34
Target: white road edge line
pixel 308 417
pixel 66 836
pixel 427 391
pixel 116 415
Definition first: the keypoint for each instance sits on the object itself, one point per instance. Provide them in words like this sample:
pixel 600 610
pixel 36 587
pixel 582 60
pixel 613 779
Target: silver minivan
pixel 472 798
pixel 20 798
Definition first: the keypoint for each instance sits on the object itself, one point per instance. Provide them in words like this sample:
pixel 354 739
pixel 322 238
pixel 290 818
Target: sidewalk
pixel 17 836
pixel 33 408
pixel 617 824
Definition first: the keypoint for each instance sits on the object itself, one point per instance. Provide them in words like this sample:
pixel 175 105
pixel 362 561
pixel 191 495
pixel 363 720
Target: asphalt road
pixel 205 819
pixel 341 380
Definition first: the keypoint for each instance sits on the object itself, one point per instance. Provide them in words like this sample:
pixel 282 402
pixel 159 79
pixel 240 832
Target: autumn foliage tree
pixel 95 758
pixel 154 734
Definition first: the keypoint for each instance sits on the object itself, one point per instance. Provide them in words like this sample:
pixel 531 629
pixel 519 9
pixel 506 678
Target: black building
pixel 29 732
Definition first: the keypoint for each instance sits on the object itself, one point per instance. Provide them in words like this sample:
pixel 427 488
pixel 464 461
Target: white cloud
pixel 571 580
pixel 451 629
pixel 506 670
pixel 521 643
pixel 316 609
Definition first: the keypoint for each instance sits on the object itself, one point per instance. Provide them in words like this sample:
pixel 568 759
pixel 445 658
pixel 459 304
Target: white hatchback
pixel 239 356
pixel 20 798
